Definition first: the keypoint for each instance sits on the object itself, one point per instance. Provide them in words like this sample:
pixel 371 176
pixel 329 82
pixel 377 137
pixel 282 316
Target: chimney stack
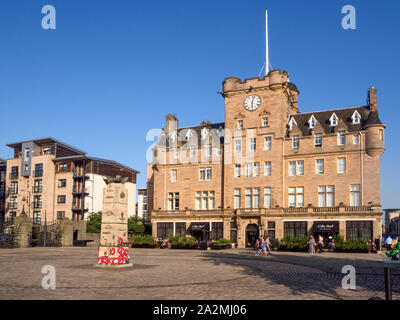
pixel 372 100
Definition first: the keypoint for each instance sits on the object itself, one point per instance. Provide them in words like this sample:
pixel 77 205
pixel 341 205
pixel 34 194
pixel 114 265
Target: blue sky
pixel 112 70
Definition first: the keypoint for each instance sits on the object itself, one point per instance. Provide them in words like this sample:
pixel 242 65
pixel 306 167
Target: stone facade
pixel 335 153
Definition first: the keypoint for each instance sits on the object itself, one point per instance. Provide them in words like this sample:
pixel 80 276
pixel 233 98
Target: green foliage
pixel 292 243
pixel 135 225
pixel 143 239
pixel 354 244
pixel 222 241
pixel 295 243
pixel 93 225
pixel 182 242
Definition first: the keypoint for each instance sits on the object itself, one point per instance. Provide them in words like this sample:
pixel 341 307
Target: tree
pixel 93 224
pixel 135 225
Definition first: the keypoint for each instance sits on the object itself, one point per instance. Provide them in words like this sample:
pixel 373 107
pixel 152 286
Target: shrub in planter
pixel 144 241
pixel 221 244
pixel 182 243
pixel 291 243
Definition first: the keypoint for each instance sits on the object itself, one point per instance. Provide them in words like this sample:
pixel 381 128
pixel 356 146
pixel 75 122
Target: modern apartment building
pixel 3 166
pixel 269 169
pixel 142 204
pixel 49 177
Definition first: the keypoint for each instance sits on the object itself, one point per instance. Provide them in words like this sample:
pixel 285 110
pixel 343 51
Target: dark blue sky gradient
pixel 112 70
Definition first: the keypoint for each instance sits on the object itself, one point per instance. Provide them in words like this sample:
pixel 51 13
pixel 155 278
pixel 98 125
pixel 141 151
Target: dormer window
pixel 204 133
pixel 333 120
pixel 189 134
pixel 173 136
pixel 220 132
pixel 292 123
pixel 356 117
pixel 312 122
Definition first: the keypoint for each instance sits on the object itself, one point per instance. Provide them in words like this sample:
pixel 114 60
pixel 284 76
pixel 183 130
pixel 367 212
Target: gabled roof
pixel 367 117
pixel 213 128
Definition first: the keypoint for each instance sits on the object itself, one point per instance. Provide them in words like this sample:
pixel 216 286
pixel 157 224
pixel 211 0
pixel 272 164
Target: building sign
pixel 199 226
pixel 326 226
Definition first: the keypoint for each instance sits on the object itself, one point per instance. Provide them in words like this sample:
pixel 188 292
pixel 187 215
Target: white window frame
pixel 267 168
pixel 318 140
pixel 237 170
pixel 341 167
pixel 298 166
pixel 319 166
pixel 236 198
pixel 356 118
pixel 355 195
pixel 291 168
pixel 333 120
pixel 341 138
pixel 267 197
pixel 264 121
pixel 252 144
pixel 240 124
pixel 174 175
pixel 296 142
pixel 238 145
pixel 267 143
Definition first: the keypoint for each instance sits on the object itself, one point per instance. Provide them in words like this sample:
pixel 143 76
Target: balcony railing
pixel 276 210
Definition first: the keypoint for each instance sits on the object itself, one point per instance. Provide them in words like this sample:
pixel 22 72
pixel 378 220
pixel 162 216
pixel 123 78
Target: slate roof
pixel 164 140
pixel 368 117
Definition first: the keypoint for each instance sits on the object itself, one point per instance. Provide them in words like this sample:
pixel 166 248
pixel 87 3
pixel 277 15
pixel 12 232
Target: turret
pixel 375 137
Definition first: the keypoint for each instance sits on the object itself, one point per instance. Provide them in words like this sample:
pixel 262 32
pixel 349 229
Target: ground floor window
pixel 164 229
pixel 217 230
pixel 271 231
pixel 295 228
pixel 180 229
pixel 358 230
pixel 234 236
pixel 37 218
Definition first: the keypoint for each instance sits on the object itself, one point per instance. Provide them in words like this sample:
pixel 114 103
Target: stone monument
pixel 113 248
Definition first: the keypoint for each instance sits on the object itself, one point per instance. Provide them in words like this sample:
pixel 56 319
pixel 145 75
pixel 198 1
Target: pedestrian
pixel 369 244
pixel 259 245
pixel 333 244
pixel 264 245
pixel 388 243
pixel 311 245
pixel 268 244
pixel 320 243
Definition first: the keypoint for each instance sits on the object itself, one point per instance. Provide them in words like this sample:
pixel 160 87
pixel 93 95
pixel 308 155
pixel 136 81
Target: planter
pixel 221 246
pixel 145 245
pixel 188 247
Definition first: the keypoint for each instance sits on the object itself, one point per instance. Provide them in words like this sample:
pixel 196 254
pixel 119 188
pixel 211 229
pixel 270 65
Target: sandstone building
pixel 49 177
pixel 2 188
pixel 269 169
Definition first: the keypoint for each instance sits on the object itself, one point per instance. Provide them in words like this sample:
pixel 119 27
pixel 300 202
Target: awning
pixel 326 226
pixel 199 226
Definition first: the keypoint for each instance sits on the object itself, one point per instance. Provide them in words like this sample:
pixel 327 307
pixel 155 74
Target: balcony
pixel 78 174
pixel 78 190
pixel 76 206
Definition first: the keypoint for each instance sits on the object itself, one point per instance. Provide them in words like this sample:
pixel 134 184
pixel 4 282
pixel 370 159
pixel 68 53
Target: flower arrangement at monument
pixel 114 256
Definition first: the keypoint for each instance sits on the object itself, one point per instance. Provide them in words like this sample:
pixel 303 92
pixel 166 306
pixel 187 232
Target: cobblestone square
pixel 192 274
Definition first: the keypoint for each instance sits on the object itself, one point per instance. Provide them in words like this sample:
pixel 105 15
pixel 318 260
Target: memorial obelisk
pixel 113 248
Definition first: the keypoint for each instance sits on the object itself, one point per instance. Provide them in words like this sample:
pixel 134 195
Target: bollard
pixel 388 283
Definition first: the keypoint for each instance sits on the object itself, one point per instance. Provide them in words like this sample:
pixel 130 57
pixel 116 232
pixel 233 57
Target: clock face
pixel 252 102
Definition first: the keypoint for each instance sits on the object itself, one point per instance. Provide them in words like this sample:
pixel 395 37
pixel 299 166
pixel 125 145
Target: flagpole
pixel 266 43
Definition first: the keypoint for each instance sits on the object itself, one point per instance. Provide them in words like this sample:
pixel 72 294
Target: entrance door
pixel 252 234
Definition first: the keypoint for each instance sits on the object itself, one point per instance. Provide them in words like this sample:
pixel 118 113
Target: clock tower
pixel 256 113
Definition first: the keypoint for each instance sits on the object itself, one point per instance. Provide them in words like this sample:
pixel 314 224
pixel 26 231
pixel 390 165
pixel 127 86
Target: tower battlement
pixel 275 79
